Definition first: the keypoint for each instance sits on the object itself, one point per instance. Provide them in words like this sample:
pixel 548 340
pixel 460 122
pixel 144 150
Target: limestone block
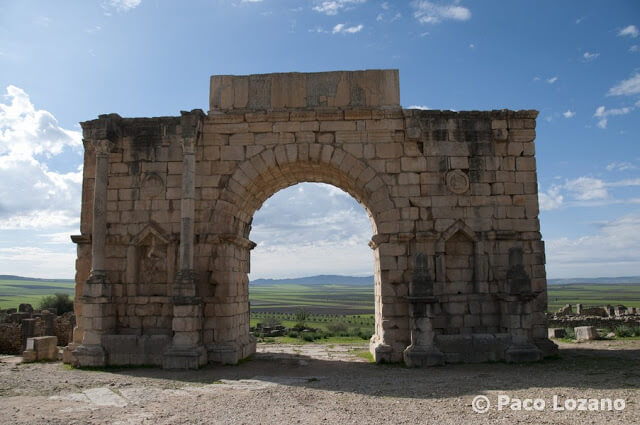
pixel 232 153
pixel 41 348
pixel 586 333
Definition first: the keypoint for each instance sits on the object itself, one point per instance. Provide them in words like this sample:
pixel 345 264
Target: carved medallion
pixel 152 186
pixel 457 181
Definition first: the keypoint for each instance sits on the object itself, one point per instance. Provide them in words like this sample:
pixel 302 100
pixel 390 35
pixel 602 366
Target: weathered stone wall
pixel 16 327
pixel 459 187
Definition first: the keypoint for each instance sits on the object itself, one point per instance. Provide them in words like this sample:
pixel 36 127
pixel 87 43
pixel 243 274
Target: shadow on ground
pixel 582 368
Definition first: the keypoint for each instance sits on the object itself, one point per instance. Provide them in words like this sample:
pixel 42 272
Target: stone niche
pixel 167 205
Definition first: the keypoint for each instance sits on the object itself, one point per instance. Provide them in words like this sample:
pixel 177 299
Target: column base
pixel 180 357
pixel 548 347
pixel 67 353
pixel 419 356
pixel 230 352
pixel 382 353
pixel 89 356
pixel 523 353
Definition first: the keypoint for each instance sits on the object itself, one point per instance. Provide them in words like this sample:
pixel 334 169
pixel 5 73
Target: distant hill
pixel 33 279
pixel 324 279
pixel 328 279
pixel 599 280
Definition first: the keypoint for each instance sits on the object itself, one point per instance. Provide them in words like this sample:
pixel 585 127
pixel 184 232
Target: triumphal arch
pixel 167 205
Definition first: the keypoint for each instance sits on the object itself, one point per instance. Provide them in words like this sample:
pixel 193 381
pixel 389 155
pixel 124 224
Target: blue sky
pixel 577 62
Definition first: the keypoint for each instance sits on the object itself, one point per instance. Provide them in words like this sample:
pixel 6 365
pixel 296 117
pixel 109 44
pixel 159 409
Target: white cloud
pixel 614 249
pixel 627 87
pixel 343 29
pixel 31 194
pixel 472 46
pixel 569 113
pixel 319 229
pixel 634 48
pixel 602 113
pixel 124 5
pixel 587 188
pixel 333 7
pixel 620 166
pixel 552 80
pixel 38 262
pixel 586 191
pixel 423 107
pixel 427 12
pixel 385 5
pixel 588 57
pixel 630 31
pixel 550 200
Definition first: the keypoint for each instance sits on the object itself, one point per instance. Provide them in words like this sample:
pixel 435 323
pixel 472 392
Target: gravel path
pixel 324 384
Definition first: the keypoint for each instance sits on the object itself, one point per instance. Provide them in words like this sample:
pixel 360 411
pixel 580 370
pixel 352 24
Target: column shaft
pixel 99 233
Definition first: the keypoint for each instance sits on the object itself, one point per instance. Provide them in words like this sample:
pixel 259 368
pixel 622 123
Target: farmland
pixel 17 291
pixel 595 294
pixel 327 300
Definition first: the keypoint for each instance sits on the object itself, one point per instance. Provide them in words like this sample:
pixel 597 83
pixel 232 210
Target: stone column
pixel 422 351
pixel 184 284
pixel 99 229
pixel 98 316
pixel 187 350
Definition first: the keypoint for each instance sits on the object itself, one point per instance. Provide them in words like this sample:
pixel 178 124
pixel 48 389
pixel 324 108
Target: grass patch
pixel 363 354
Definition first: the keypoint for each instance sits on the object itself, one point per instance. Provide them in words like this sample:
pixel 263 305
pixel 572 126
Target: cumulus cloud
pixel 615 246
pixel 428 12
pixel 344 29
pixel 31 194
pixel 423 107
pixel 569 113
pixel 628 87
pixel 552 80
pixel 630 31
pixel 333 7
pixel 550 200
pixel 311 229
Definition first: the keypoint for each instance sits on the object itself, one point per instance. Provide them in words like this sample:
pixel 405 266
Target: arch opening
pixel 312 266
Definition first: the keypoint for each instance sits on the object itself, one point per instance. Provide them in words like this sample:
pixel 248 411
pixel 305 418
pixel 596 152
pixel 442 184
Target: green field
pixel 327 300
pixel 627 294
pixel 16 292
pixel 320 299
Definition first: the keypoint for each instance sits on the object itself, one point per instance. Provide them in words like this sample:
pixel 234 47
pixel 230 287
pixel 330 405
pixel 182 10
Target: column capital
pixel 102 146
pixel 188 145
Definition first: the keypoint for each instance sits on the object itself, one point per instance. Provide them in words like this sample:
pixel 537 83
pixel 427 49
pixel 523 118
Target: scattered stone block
pixel 41 348
pixel 586 333
pixel 557 333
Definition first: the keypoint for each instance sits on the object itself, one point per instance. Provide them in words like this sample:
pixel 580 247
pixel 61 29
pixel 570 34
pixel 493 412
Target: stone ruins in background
pixel 167 206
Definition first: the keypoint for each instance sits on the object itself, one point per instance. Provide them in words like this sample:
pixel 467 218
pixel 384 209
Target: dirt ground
pixel 327 384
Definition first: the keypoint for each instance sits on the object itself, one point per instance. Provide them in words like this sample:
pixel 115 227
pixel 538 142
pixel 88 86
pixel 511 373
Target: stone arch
pixel 249 186
pixel 262 175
